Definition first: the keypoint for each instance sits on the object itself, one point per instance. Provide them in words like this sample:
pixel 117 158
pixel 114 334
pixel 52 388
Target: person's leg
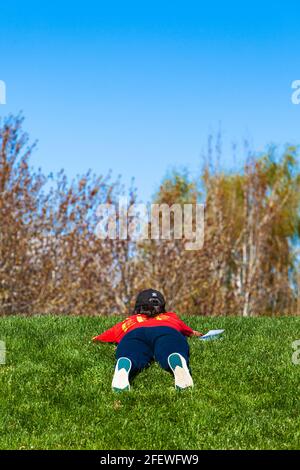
pixel 181 371
pixel 171 351
pixel 167 341
pixel 133 355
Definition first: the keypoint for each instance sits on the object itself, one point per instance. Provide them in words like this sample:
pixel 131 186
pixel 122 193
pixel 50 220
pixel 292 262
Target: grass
pixel 56 389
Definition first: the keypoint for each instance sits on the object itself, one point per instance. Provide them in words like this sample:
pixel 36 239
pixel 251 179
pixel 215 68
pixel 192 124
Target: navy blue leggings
pixel 145 344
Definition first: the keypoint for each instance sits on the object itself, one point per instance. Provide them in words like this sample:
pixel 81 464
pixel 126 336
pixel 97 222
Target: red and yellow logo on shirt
pixel 162 316
pixel 130 322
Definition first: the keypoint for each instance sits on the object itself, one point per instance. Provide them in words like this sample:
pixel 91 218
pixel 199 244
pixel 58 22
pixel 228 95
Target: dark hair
pixel 150 302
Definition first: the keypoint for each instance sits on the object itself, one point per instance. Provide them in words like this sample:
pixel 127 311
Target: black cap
pixel 148 297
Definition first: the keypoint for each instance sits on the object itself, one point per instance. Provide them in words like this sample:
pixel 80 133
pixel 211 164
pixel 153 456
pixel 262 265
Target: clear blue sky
pixel 137 86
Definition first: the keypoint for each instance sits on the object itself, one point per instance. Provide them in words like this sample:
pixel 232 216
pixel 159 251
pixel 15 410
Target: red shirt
pixel 117 332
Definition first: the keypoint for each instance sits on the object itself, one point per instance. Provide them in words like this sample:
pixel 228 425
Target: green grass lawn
pixel 56 389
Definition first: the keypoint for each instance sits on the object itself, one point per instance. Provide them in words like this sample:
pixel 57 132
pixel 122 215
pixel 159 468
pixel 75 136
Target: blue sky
pixel 137 86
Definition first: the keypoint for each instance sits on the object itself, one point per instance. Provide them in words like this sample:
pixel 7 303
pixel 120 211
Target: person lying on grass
pixel 150 334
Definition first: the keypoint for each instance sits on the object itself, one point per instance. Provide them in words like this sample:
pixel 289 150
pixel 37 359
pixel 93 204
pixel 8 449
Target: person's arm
pixel 197 333
pixel 108 336
pixel 187 331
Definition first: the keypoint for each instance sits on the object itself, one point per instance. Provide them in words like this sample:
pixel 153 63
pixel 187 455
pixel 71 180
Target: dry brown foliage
pixel 51 260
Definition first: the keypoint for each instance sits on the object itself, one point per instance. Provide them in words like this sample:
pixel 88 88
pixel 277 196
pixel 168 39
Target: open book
pixel 212 334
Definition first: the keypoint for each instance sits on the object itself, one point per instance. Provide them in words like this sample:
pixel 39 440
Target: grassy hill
pixel 56 389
